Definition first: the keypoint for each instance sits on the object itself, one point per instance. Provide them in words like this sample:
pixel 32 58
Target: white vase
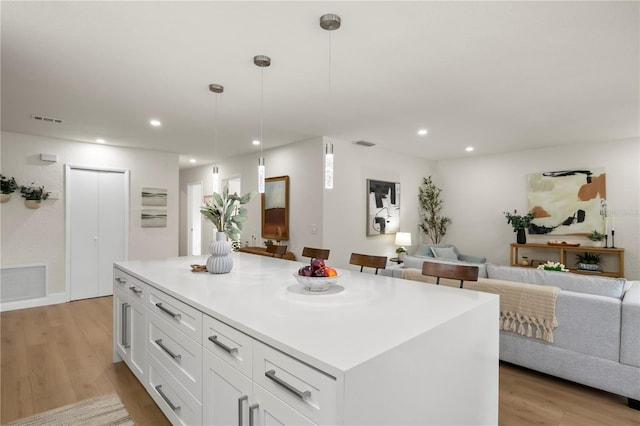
pixel 219 262
pixel 597 244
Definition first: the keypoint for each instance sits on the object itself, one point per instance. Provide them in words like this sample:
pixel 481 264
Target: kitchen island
pixel 254 347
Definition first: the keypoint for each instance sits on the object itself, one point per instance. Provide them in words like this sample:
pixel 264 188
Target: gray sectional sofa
pixel 597 340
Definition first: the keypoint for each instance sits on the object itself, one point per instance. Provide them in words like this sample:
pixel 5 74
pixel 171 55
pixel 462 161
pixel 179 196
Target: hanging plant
pixel 433 224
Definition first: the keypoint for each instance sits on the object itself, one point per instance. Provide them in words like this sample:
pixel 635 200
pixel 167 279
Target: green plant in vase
pixel 519 223
pixel 597 238
pixel 226 212
pixel 589 261
pixel 7 186
pixel 33 195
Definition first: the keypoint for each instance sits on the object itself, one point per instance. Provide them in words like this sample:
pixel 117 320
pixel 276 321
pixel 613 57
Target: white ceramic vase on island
pixel 219 262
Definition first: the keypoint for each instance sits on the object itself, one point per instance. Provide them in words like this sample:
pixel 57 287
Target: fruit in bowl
pixel 317 276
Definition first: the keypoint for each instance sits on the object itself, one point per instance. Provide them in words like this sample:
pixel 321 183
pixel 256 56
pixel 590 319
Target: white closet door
pixel 84 233
pixel 111 214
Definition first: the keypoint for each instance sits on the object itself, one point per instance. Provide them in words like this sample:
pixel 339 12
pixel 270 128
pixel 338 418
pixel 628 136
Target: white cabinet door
pixel 268 410
pixel 137 331
pixel 226 393
pixel 121 311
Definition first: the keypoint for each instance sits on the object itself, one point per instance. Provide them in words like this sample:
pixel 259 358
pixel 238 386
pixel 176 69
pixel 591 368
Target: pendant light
pixel 329 22
pixel 262 62
pixel 216 88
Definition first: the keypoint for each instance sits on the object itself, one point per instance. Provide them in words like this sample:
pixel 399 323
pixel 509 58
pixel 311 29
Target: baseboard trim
pixel 52 299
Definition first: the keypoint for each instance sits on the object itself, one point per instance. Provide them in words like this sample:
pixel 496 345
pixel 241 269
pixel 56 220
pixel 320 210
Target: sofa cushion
pixel 446 253
pixel 417 261
pixel 600 286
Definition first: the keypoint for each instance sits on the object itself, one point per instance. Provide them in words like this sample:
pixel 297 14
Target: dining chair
pixel 276 250
pixel 454 272
pixel 316 252
pixel 362 260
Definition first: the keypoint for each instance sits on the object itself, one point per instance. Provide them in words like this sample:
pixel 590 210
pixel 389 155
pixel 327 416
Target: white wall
pixel 300 161
pixel 38 236
pixel 478 189
pixel 345 206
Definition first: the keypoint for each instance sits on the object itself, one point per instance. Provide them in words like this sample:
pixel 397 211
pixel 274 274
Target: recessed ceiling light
pixel 155 123
pixel 469 149
pixel 193 160
pixel 256 142
pixel 100 140
pixel 422 132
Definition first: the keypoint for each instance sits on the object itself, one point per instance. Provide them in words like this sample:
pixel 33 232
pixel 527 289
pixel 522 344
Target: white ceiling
pixel 499 76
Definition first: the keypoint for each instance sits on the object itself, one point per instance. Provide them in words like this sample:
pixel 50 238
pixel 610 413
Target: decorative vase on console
pixel 220 262
pixel 520 224
pixel 227 214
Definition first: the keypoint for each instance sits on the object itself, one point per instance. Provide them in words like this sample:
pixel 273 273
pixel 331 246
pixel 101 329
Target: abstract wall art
pixel 275 208
pixel 568 201
pixel 383 207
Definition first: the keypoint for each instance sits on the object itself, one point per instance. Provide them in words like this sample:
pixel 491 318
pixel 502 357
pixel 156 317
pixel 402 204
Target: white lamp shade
pixel 403 238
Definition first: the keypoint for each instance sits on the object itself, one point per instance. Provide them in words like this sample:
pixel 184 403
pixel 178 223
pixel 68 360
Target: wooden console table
pixel 262 251
pixel 612 257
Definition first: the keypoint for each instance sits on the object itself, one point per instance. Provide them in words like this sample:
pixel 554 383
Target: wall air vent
pixel 46 119
pixel 363 143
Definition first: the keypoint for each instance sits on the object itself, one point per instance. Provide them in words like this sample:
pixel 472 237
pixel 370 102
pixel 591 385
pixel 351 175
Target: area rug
pixel 101 411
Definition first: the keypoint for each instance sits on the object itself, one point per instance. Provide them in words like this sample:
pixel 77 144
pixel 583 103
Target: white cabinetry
pixel 242 349
pixel 130 322
pixel 238 372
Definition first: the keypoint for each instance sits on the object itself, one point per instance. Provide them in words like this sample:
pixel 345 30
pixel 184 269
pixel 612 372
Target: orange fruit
pixel 330 272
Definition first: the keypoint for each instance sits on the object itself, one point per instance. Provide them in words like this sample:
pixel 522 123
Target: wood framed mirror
pixel 275 208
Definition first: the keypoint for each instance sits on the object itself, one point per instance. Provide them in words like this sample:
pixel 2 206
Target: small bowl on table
pixel 316 283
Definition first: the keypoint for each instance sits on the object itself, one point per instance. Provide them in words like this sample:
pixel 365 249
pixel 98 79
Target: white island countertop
pixel 334 330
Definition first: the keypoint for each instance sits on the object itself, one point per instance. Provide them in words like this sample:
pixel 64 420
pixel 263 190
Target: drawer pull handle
pixel 166 399
pixel 302 395
pixel 125 327
pixel 135 290
pixel 251 408
pixel 240 401
pixel 226 348
pixel 121 280
pixel 167 311
pixel 167 350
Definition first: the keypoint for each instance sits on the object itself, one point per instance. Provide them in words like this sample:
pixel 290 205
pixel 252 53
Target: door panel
pixel 111 214
pixel 84 234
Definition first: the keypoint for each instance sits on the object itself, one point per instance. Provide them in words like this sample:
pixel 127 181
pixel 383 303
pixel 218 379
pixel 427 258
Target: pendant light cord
pixel 215 130
pixel 329 108
pixel 261 109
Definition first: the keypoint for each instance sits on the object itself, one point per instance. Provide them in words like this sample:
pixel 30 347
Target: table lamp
pixel 402 239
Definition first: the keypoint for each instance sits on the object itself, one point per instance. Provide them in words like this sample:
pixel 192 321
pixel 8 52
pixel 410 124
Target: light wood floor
pixel 60 354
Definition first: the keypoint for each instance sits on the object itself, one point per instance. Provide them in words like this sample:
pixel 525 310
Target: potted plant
pixel 597 238
pixel 268 243
pixel 227 214
pixel 589 261
pixel 433 225
pixel 7 186
pixel 400 251
pixel 519 224
pixel 33 195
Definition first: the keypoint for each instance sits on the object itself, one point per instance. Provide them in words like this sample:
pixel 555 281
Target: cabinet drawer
pixel 228 343
pixel 307 390
pixel 130 285
pixel 180 407
pixel 181 356
pixel 184 317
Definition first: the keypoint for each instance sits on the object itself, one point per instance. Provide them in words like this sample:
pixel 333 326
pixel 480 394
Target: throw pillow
pixel 444 253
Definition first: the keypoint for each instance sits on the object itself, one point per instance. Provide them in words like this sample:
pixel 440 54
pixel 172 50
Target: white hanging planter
pixel 4 198
pixel 32 204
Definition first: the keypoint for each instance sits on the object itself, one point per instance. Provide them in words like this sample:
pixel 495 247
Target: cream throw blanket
pixel 527 309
